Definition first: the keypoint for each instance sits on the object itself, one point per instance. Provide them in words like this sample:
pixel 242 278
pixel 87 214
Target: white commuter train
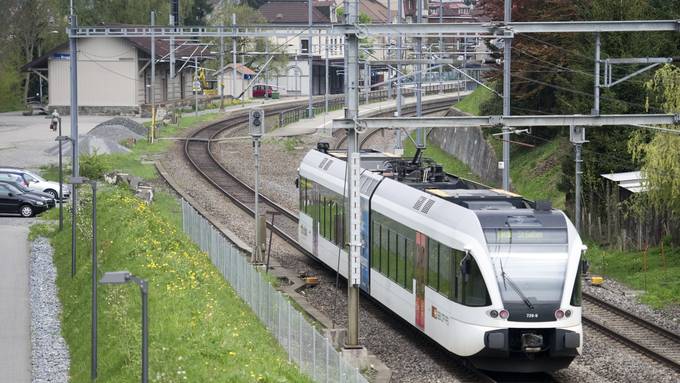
pixel 486 274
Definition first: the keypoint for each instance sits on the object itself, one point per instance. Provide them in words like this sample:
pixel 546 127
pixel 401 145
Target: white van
pixel 34 182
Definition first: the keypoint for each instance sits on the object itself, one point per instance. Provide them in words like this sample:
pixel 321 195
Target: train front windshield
pixel 530 264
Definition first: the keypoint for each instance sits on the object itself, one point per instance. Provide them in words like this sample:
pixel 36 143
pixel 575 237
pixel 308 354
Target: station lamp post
pixel 55 124
pixel 79 181
pixel 122 277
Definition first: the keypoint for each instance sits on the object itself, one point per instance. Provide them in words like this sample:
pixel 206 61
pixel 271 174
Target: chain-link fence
pixel 311 351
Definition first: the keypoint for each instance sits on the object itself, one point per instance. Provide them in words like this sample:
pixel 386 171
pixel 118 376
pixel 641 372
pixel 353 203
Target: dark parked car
pixel 22 204
pixel 45 197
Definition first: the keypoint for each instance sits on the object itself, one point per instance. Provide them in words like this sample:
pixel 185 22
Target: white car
pixel 35 182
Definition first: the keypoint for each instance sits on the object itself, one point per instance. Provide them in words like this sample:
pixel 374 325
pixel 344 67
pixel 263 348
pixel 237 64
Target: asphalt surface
pixel 15 316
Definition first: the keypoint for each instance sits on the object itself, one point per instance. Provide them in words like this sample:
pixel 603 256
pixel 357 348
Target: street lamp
pixel 54 125
pixel 121 277
pixel 79 181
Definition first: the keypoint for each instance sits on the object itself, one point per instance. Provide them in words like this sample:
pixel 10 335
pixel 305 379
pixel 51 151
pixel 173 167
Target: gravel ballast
pixel 49 353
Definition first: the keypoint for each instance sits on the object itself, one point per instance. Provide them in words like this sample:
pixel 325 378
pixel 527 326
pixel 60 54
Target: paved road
pixel 15 316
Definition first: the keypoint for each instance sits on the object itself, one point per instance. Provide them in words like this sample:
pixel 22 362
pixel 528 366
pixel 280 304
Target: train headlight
pixel 493 314
pixel 559 314
pixel 504 314
pixel 567 313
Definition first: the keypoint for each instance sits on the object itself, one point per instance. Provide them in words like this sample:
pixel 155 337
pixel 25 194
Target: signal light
pixel 256 123
pixel 504 314
pixel 559 314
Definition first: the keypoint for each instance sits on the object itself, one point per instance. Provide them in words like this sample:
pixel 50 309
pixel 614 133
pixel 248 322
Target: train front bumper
pixel 528 349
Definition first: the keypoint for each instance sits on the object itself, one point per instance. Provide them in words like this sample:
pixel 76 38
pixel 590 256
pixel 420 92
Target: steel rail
pixel 649 351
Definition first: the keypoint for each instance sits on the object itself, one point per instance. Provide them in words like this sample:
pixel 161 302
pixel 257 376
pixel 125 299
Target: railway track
pixel 643 336
pixel 432 107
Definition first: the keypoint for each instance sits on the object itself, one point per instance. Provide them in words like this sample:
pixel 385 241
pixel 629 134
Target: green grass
pixel 660 282
pixel 450 163
pixel 200 330
pixel 535 172
pixel 472 102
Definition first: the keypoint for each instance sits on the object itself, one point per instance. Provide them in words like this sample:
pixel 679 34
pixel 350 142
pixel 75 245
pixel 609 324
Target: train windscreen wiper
pixel 515 288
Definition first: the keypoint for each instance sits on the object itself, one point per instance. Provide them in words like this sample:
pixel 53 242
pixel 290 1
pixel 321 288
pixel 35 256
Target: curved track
pixel 429 108
pixel 637 333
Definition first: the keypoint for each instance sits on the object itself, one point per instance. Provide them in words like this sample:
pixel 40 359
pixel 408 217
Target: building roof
pixel 183 48
pixel 289 12
pixel 375 10
pixel 631 181
pixel 239 68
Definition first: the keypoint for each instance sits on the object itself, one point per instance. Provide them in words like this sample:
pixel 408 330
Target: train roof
pixel 466 193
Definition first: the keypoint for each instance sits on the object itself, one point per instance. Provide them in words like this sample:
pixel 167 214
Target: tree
pixel 660 152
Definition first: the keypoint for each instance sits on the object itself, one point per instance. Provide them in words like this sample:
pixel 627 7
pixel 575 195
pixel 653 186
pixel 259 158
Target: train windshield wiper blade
pixel 517 290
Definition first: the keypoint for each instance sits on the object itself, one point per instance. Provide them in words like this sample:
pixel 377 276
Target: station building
pixel 114 74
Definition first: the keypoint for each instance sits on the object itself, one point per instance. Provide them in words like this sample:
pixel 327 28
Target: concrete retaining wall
pixel 469 146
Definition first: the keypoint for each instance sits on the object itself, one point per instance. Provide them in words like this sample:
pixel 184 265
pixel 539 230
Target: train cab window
pixel 471 288
pixel 576 292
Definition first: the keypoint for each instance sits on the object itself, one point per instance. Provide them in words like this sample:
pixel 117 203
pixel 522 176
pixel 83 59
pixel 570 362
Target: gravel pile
pixel 131 125
pixel 49 353
pixel 105 138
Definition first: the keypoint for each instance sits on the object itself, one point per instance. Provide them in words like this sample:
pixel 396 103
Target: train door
pixel 316 209
pixel 365 240
pixel 421 273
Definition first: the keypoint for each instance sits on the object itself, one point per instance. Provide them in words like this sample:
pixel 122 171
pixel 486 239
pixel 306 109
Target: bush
pixel 93 166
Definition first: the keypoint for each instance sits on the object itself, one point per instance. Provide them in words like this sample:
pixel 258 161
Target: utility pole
pixel 441 47
pixel 310 114
pixel 400 17
pixel 389 56
pixel 196 88
pixel 354 216
pixel 327 90
pixel 577 136
pixel 596 90
pixel 74 131
pixel 233 58
pixel 507 47
pixel 420 132
pixel 222 69
pixel 153 77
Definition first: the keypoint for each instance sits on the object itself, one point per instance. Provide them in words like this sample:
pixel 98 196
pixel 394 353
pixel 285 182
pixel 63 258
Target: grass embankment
pixel 534 172
pixel 450 163
pixel 653 272
pixel 200 330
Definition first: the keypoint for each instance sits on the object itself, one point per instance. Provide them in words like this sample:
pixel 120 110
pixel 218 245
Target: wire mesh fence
pixel 306 347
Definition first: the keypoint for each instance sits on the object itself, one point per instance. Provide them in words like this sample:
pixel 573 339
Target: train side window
pixel 392 251
pixel 384 249
pixel 375 248
pixel 433 265
pixel 410 263
pixel 401 259
pixel 474 289
pixel 445 271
